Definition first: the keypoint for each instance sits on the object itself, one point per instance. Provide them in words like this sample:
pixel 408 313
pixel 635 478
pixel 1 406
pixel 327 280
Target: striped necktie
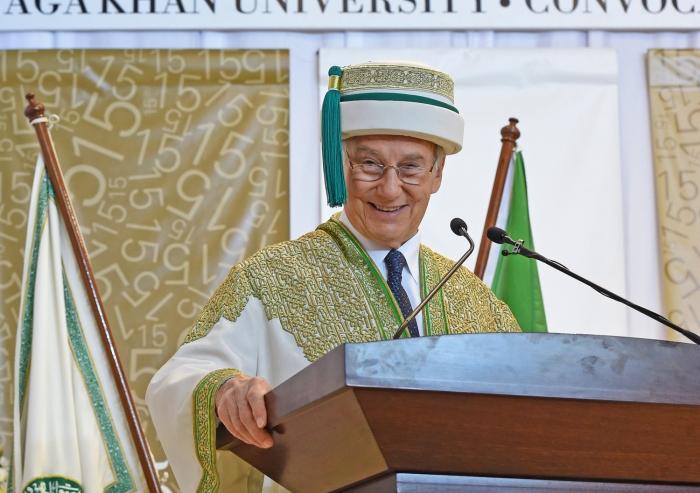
pixel 395 262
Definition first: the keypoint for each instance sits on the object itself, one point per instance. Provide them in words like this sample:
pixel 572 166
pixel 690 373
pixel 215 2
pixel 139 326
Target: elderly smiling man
pixel 353 279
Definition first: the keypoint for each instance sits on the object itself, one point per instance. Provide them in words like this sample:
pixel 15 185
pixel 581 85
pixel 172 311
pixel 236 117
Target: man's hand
pixel 241 408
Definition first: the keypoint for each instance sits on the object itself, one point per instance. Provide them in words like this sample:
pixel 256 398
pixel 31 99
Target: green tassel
pixel 332 145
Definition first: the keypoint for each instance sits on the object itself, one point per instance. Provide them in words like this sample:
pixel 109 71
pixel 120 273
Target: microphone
pixel 497 235
pixel 459 227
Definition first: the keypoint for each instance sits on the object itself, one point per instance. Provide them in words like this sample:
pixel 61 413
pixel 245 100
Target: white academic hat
pixel 385 98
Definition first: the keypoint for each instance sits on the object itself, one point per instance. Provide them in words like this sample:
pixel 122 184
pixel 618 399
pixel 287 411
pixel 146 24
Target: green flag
pixel 516 280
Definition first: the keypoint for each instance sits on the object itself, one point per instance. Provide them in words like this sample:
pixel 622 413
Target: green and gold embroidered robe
pixel 279 311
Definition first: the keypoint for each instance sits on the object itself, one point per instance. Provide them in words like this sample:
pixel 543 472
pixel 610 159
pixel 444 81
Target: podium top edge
pixel 569 366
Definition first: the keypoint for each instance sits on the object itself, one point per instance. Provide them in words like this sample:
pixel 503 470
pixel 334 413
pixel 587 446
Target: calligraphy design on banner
pixel 177 166
pixel 674 91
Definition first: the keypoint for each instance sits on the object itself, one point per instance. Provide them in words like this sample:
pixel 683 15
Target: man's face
pixel 388 210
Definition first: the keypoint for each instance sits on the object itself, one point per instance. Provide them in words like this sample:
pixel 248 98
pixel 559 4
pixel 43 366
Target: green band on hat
pixel 386 96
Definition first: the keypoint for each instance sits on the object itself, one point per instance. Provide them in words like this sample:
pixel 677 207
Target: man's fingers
pixel 244 416
pixel 239 430
pixel 228 414
pixel 261 436
pixel 263 384
pixel 241 407
pixel 257 405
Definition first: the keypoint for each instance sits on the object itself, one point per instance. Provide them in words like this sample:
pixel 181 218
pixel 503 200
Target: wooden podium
pixel 488 413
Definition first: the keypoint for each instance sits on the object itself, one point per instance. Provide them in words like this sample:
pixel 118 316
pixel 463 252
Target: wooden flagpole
pixel 33 111
pixel 509 134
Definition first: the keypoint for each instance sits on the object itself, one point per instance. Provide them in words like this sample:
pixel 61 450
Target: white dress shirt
pixel 410 277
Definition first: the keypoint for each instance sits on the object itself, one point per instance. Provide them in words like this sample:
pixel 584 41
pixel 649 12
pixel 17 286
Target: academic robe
pixel 276 313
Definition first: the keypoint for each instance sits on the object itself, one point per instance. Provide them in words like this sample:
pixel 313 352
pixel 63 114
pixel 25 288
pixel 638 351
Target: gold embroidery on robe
pixel 385 308
pixel 325 290
pixel 310 286
pixel 434 322
pixel 203 402
pixel 470 306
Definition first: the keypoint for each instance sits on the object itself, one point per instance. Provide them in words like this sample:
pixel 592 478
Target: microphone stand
pixel 519 250
pixel 446 277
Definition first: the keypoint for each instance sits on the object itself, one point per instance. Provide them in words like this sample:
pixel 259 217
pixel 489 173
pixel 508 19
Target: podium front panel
pixel 555 407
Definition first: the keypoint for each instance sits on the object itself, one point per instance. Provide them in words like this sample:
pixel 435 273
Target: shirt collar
pixel 377 251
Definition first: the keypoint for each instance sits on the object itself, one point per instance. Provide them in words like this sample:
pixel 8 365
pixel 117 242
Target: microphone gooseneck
pixel 459 227
pixel 500 237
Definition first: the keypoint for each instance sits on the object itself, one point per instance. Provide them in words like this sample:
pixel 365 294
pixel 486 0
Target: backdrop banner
pixel 177 166
pixel 566 101
pixel 674 76
pixel 325 15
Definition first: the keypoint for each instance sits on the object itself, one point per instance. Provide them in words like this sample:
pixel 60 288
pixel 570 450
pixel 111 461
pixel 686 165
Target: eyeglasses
pixel 410 173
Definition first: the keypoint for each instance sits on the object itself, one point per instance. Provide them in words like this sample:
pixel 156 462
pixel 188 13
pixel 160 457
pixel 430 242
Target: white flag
pixel 70 430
